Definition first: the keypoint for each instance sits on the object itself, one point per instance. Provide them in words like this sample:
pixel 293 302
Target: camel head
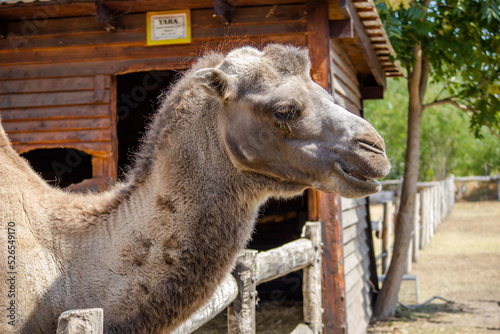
pixel 277 122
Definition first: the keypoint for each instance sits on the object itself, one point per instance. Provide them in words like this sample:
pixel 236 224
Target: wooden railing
pixel 238 293
pixel 433 202
pixel 463 180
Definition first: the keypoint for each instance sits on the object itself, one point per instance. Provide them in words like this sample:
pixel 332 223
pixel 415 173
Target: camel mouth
pixel 359 178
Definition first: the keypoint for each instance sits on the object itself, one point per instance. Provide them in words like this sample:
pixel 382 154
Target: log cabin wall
pixel 57 75
pixel 67 111
pixel 345 83
pixel 357 262
pixel 354 216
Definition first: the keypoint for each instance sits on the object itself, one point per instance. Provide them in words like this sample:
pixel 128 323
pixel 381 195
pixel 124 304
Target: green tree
pixel 457 43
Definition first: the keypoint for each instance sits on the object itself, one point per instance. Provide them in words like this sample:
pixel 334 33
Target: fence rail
pixel 433 202
pixel 238 293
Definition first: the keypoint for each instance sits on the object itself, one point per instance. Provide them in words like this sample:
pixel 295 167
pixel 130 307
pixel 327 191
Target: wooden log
pixel 421 244
pixel 85 321
pixel 60 112
pixel 175 59
pixel 298 254
pixel 223 296
pixel 122 45
pixel 50 99
pixel 312 286
pixel 429 215
pixel 425 217
pixel 49 85
pixel 200 19
pixel 386 236
pixel 477 178
pixel 433 211
pixel 452 192
pixel 105 169
pixel 72 9
pixel 436 206
pixel 416 229
pixel 55 125
pixel 100 81
pixel 98 149
pixel 60 137
pixel 498 188
pixel 241 313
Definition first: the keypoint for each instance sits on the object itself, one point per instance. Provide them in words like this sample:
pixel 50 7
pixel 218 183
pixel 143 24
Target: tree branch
pixel 448 100
pixel 462 107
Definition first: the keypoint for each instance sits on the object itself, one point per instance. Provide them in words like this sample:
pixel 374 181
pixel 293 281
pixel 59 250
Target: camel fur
pixel 234 131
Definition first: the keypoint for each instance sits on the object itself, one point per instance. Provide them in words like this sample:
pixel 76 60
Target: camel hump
pixel 11 161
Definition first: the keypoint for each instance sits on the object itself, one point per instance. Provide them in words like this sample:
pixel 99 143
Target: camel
pixel 234 131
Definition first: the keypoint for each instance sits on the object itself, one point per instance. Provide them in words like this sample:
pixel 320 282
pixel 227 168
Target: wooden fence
pixel 238 293
pixel 433 202
pixel 462 181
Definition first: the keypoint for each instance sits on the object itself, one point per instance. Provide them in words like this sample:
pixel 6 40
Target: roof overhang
pixel 357 25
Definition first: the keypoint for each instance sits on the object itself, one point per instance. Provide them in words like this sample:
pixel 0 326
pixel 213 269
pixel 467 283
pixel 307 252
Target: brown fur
pixel 234 131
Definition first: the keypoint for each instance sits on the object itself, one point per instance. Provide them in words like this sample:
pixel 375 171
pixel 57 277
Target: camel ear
pixel 217 82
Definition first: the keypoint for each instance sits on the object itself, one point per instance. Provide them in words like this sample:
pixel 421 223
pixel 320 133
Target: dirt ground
pixel 461 264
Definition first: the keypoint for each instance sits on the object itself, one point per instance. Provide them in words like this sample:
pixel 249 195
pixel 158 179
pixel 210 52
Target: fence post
pixel 386 235
pixel 498 187
pixel 311 284
pixel 85 321
pixel 423 215
pixel 241 313
pixel 431 207
pixel 430 231
pixel 416 228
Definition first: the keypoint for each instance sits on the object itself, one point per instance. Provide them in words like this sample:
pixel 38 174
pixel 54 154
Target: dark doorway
pixel 61 166
pixel 137 99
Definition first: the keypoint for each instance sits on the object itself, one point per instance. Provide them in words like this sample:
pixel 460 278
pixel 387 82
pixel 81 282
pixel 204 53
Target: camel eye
pixel 286 112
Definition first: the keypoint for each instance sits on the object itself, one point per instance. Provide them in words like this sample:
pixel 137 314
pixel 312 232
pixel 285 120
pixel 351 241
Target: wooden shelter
pixel 77 79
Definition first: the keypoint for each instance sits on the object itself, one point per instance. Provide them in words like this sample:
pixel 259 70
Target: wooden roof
pixel 357 25
pixel 375 31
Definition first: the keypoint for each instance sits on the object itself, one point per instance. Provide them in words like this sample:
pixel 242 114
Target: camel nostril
pixel 377 146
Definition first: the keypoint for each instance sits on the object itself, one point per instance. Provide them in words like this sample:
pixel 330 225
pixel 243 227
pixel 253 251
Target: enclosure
pixel 78 82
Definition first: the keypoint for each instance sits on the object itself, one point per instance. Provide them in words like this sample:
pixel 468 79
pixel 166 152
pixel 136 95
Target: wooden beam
pixel 87 8
pixel 311 286
pixel 223 10
pixel 341 28
pixel 334 302
pixel 241 313
pixel 4 29
pixel 326 207
pixel 371 254
pixel 104 14
pixel 81 321
pixel 372 92
pixel 318 42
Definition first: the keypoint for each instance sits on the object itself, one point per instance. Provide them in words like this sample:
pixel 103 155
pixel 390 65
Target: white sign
pixel 169 27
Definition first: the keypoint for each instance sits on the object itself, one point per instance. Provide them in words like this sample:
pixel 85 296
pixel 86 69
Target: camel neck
pixel 194 213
